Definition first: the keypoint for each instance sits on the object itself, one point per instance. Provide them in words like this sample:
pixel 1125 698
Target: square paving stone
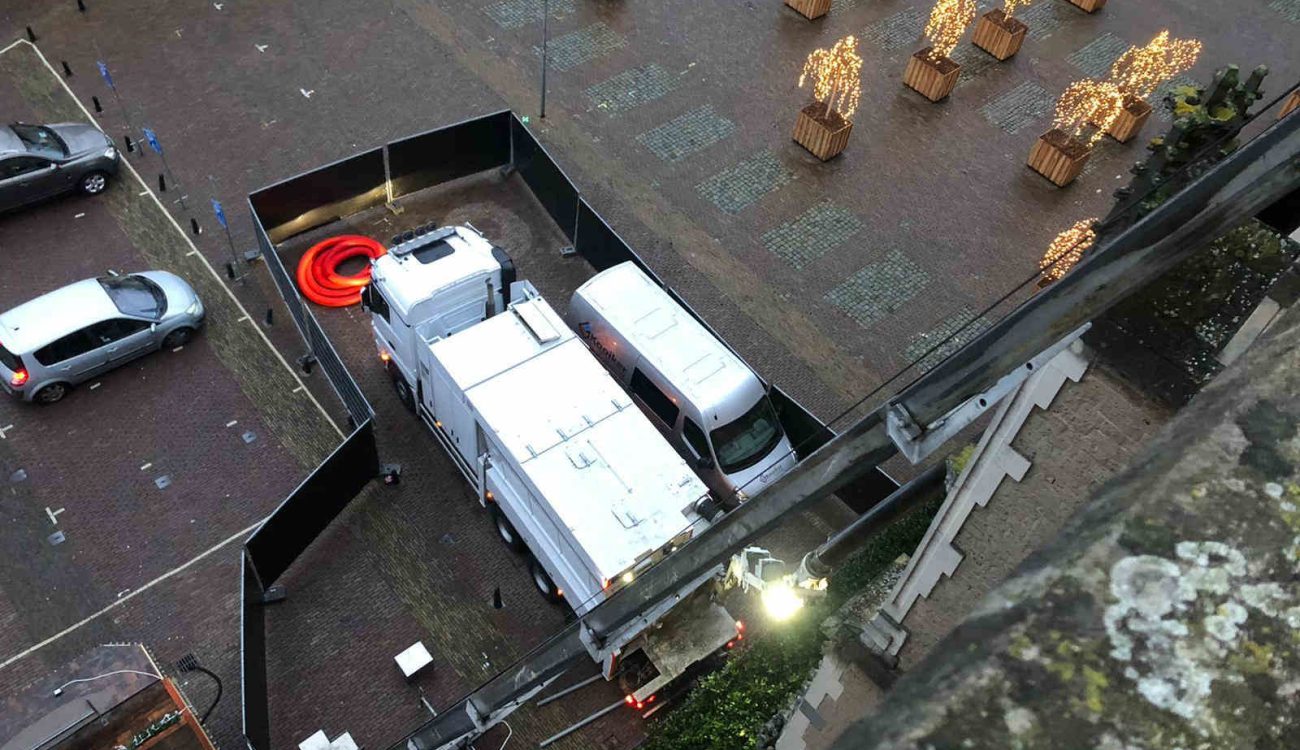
pixel 1046 16
pixel 513 14
pixel 879 289
pixel 898 30
pixel 581 46
pixel 1290 9
pixel 736 188
pixel 948 334
pixel 810 236
pixel 631 88
pixel 974 62
pixel 1096 57
pixel 687 134
pixel 1024 105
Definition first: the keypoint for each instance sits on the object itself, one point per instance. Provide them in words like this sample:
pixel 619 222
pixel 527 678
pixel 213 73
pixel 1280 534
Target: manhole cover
pixel 56 538
pixel 163 481
pixel 249 436
pixel 18 476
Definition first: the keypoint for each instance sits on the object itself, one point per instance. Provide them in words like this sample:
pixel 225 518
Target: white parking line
pixel 146 466
pixel 131 168
pixel 123 599
pixel 232 423
pixel 5 429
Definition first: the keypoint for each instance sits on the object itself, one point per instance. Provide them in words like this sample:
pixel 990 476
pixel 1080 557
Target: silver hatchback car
pixel 72 334
pixel 40 161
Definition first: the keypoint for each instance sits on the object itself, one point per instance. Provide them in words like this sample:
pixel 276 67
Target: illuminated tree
pixel 836 75
pixel 948 21
pixel 1088 103
pixel 1066 250
pixel 1140 70
pixel 1010 6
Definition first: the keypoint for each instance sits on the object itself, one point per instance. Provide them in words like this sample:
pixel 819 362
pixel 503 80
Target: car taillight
pixel 19 378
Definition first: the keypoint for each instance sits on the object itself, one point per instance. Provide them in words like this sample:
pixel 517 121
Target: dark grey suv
pixel 40 161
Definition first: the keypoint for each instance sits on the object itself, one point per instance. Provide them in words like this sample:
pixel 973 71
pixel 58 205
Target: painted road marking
pixel 232 423
pixel 123 599
pixel 95 385
pixel 5 429
pixel 78 216
pixel 146 466
pixel 53 514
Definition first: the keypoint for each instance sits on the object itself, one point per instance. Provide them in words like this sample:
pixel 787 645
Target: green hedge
pixel 727 708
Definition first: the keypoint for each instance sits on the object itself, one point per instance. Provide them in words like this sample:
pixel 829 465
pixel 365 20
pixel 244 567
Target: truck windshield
pixel 135 295
pixel 744 442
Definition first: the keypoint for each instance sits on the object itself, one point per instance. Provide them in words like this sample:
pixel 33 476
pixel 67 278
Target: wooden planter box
pixel 822 135
pixel 810 9
pixel 998 35
pixel 1090 6
pixel 1291 104
pixel 1130 120
pixel 933 79
pixel 1058 156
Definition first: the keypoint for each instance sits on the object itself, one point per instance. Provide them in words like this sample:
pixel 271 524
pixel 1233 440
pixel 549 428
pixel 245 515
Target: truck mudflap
pixel 688 635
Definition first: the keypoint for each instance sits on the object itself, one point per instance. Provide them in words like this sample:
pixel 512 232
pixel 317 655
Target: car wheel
pixel 93 183
pixel 404 393
pixel 51 393
pixel 505 529
pixel 542 580
pixel 178 337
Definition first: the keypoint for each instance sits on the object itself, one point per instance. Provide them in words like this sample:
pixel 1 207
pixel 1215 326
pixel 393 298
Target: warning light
pixel 629 700
pixel 19 378
pixel 490 497
pixel 605 584
pixel 740 626
pixel 385 356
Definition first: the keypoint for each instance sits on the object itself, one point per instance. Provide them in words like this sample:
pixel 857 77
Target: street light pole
pixel 546 33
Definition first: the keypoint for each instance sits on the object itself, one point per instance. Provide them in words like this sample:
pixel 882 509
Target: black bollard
pixel 31 35
pixel 194 226
pixel 81 5
pixel 230 269
pixel 162 183
pixel 130 144
pixel 269 319
pixel 496 599
pixel 67 72
pixel 95 100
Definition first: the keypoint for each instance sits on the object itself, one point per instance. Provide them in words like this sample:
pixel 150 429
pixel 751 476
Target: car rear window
pixel 135 295
pixel 9 359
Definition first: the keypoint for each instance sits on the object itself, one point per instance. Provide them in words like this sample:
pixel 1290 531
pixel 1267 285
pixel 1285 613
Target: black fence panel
pixel 601 246
pixel 336 372
pixel 449 153
pixel 548 182
pixel 316 502
pixel 254 700
pixel 321 195
pixel 279 274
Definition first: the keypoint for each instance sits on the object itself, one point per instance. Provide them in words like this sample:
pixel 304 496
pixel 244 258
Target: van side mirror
pixel 153 328
pixel 703 463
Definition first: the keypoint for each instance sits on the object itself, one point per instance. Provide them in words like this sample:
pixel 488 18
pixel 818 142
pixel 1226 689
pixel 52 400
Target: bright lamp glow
pixel 781 601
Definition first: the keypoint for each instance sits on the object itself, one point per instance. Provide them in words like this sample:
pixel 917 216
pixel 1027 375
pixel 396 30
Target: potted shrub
pixel 930 71
pixel 1140 71
pixel 810 9
pixel 824 125
pixel 998 34
pixel 1088 6
pixel 1061 153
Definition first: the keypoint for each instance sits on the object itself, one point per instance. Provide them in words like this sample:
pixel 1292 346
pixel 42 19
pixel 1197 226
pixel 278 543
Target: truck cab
pixel 431 284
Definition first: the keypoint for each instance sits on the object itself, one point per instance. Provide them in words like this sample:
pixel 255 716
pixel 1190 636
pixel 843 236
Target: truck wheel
pixel 505 529
pixel 404 393
pixel 543 581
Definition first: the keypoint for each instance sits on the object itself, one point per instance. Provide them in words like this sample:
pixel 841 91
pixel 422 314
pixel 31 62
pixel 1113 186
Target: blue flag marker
pixel 103 73
pixel 221 214
pixel 152 137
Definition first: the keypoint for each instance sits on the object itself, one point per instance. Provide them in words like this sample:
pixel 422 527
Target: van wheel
pixel 404 393
pixel 543 581
pixel 93 183
pixel 51 393
pixel 505 529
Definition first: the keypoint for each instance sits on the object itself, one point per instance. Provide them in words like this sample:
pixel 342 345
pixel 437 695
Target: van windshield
pixel 744 442
pixel 135 295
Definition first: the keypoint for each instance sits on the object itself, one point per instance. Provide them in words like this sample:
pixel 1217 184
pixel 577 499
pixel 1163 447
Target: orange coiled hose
pixel 318 275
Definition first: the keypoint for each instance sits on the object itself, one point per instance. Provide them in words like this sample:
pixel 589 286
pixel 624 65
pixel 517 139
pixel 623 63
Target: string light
pixel 836 77
pixel 1140 70
pixel 1067 249
pixel 1088 102
pixel 1011 6
pixel 948 21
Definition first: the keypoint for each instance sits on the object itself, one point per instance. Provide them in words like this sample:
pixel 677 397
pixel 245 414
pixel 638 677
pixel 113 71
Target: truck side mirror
pixel 703 463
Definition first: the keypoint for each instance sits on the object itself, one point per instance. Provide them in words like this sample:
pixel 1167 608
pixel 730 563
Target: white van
pixel 709 404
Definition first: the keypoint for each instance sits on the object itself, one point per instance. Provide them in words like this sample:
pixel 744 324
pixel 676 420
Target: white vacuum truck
pixel 573 473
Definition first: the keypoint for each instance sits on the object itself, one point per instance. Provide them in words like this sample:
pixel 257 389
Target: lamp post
pixel 546 29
